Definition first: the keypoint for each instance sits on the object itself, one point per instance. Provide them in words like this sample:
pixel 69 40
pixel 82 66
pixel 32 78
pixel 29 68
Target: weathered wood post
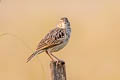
pixel 58 71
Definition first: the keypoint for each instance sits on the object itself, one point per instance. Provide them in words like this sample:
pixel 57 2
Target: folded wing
pixel 53 38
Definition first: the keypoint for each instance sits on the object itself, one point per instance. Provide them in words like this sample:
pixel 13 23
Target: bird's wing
pixel 53 38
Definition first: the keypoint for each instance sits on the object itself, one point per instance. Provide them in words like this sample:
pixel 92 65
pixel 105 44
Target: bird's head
pixel 63 23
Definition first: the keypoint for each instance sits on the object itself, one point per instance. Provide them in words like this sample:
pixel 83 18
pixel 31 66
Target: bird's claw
pixel 60 62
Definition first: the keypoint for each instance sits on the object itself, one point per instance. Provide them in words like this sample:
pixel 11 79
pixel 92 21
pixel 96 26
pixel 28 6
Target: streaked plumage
pixel 55 40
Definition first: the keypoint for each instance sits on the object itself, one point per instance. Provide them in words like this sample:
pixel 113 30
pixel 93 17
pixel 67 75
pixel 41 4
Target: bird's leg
pixel 55 57
pixel 59 60
pixel 49 55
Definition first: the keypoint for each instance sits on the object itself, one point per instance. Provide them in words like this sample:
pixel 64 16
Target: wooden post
pixel 58 71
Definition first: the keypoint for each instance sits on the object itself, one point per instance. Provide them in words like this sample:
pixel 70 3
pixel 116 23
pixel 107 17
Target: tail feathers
pixel 35 53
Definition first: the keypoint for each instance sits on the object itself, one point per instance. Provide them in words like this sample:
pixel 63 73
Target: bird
pixel 55 40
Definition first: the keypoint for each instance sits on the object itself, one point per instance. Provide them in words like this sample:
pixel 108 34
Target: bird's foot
pixel 60 62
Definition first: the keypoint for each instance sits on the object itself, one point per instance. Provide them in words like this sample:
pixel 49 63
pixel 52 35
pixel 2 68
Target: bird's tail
pixel 35 53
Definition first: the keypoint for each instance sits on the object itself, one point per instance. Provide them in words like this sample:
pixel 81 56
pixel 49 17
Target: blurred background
pixel 93 52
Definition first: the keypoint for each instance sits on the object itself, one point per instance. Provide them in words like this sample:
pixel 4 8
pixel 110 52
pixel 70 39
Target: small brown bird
pixel 55 40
